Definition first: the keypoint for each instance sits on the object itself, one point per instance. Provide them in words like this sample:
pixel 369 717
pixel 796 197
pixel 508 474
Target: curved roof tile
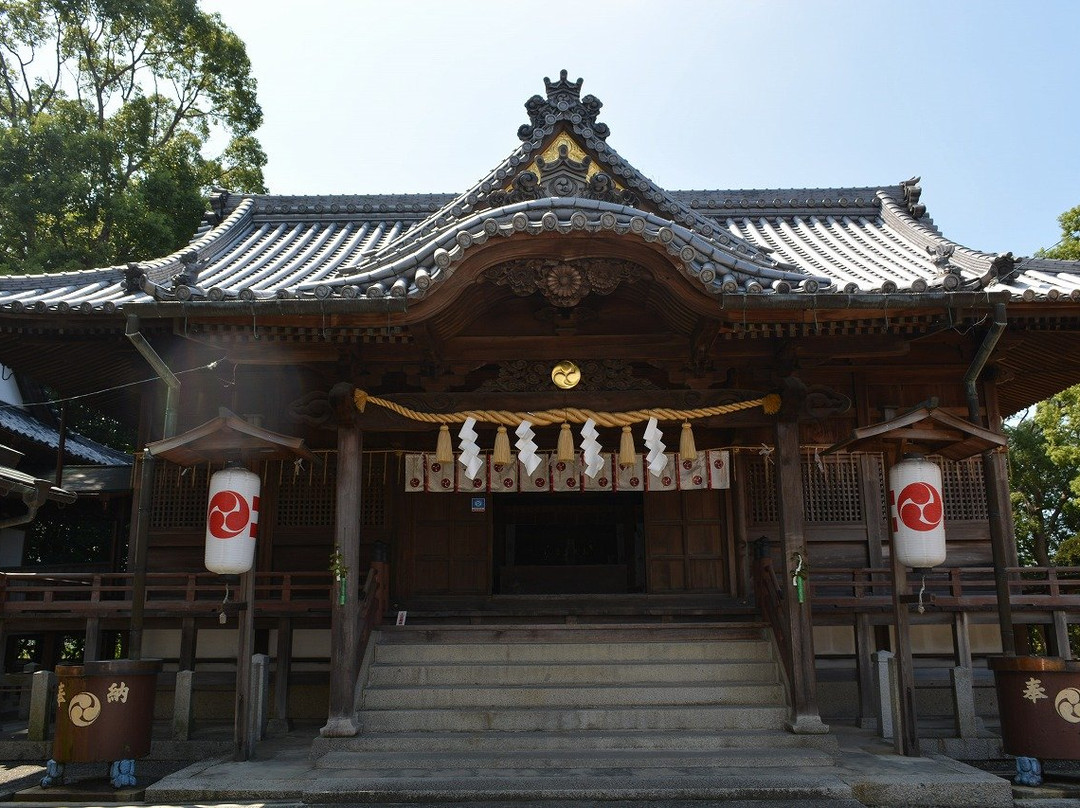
pixel 771 241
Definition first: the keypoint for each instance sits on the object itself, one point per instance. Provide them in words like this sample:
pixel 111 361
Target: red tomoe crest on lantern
pixel 918 513
pixel 232 519
pixel 919 506
pixel 227 515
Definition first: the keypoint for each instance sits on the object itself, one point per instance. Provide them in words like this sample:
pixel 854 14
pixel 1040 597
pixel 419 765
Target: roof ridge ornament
pixel 912 191
pixel 563 103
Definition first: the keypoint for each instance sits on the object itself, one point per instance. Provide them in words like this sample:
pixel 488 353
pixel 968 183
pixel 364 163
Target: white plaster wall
pixel 834 640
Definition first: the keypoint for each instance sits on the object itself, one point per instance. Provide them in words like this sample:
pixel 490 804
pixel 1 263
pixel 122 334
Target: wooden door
pixel 447 548
pixel 684 541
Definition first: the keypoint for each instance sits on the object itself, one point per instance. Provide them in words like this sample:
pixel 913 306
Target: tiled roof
pixel 873 239
pixel 81 448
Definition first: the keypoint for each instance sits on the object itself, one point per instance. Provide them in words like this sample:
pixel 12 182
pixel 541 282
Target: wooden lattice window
pixel 761 491
pixel 375 487
pixel 964 494
pixel 306 491
pixel 179 499
pixel 830 489
pixel 307 494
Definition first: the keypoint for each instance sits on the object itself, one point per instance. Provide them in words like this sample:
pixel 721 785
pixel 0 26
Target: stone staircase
pixel 575 714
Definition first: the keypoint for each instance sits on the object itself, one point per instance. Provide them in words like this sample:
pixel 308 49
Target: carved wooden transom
pixel 563 283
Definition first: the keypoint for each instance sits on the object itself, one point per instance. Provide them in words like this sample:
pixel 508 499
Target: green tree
pixel 1068 248
pixel 1044 477
pixel 107 111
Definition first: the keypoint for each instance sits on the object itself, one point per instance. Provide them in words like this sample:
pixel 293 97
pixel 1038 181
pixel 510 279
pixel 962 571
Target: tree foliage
pixel 1044 477
pixel 107 110
pixel 1068 248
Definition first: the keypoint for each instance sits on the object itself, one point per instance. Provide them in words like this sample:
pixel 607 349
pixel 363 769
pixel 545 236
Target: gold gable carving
pixel 563 169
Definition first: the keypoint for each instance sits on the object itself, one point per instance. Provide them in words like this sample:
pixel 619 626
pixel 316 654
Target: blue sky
pixel 979 98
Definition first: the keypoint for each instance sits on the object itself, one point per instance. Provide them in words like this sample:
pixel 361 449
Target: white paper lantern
pixel 918 513
pixel 232 518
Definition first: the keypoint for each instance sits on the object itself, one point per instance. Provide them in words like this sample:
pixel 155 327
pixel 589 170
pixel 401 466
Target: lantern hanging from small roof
pixel 232 520
pixel 918 512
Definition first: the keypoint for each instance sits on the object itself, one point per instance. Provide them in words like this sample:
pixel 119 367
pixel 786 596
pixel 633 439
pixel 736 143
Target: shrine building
pixel 410 377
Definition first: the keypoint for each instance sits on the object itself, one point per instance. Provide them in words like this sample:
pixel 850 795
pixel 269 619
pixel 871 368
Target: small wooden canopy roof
pixel 227 437
pixel 926 429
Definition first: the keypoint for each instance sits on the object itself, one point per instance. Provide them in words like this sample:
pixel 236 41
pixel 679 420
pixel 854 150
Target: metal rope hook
pixel 922 608
pixel 221 618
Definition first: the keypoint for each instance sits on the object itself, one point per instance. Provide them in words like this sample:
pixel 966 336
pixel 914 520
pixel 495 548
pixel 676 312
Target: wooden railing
pixel 370 610
pixel 948 589
pixel 277 594
pixel 770 599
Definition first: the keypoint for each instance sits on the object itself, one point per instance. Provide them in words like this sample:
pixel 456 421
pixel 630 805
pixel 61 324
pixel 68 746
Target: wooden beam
pixel 851 347
pixel 641 347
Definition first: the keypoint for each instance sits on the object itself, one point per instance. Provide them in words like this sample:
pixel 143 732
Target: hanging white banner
pixel 503 477
pixel 603 480
pixel 719 462
pixel 415 472
pixel 630 478
pixel 565 475
pixel 440 476
pixel 711 469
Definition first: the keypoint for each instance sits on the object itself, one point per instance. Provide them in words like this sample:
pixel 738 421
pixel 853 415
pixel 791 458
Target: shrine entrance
pixel 585 543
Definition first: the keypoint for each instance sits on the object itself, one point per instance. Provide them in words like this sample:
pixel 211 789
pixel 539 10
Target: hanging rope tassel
pixel 687 449
pixel 566 443
pixel 444 450
pixel 500 455
pixel 627 452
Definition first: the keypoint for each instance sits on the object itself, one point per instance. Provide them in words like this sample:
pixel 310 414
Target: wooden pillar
pixel 804 718
pixel 877 531
pixel 92 639
pixel 243 737
pixel 1002 541
pixel 744 579
pixel 137 547
pixel 906 732
pixel 345 617
pixel 189 640
pixel 999 514
pixel 282 673
pixel 865 671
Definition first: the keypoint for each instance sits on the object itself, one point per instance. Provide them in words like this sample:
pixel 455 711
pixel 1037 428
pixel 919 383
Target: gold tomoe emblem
pixel 566 375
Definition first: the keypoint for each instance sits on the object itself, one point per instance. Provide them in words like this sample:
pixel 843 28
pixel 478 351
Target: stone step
pixel 592 652
pixel 583 632
pixel 599 785
pixel 571 696
pixel 585 742
pixel 641 761
pixel 588 802
pixel 519 674
pixel 519 719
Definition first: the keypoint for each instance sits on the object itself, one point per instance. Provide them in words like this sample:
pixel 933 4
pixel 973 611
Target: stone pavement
pixel 865 772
